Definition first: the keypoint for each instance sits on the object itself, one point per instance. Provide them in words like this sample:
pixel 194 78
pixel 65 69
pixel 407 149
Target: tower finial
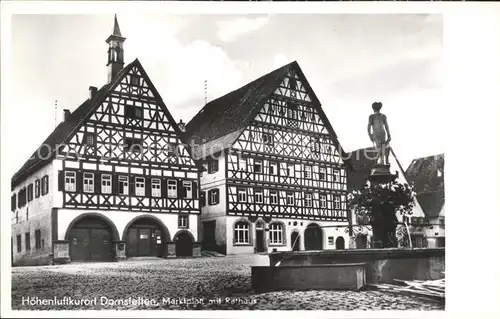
pixel 116 28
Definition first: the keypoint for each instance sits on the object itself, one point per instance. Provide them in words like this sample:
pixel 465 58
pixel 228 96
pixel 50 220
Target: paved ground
pixel 200 283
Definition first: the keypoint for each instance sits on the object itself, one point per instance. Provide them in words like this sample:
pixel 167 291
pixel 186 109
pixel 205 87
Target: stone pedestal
pixel 60 251
pixel 381 174
pixel 170 249
pixel 120 248
pixel 197 249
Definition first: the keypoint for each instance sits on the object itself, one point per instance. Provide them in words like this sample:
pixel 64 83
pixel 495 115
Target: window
pixel 242 195
pixel 314 144
pixel 106 183
pixel 322 201
pixel 336 175
pixel 290 170
pixel 89 139
pixel 133 112
pixel 440 242
pixel 183 221
pixel 88 182
pixel 171 149
pixel 308 200
pixel 155 187
pixel 273 195
pixel 213 165
pixel 171 188
pixel 188 189
pixel 38 239
pixel 307 171
pixel 37 188
pixel 336 201
pixel 134 80
pixel 293 83
pixel 21 198
pixel 322 174
pixel 27 241
pixel 273 168
pixel 289 199
pixel 257 166
pixel 13 202
pixel 19 243
pixel 214 196
pixel 140 186
pixel 131 144
pixel 267 137
pixel 276 233
pixel 70 181
pixel 241 233
pixel 258 196
pixel 30 192
pixel 45 185
pixel 242 164
pixel 330 240
pixel 123 185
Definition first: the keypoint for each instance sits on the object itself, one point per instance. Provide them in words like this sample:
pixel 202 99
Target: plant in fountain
pixel 380 204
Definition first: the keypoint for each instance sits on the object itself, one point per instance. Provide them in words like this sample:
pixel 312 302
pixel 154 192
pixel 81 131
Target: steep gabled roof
pixel 427 176
pixel 46 152
pixel 223 118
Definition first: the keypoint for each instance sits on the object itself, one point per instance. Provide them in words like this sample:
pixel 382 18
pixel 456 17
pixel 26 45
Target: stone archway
pixel 90 237
pixel 145 235
pixel 313 237
pixel 184 241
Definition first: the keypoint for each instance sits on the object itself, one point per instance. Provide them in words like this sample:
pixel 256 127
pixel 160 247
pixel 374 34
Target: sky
pixel 350 60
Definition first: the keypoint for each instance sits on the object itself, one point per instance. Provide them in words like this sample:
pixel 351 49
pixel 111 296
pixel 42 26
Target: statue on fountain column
pixel 378 130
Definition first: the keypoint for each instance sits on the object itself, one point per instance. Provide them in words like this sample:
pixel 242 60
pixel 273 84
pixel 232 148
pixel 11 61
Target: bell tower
pixel 115 52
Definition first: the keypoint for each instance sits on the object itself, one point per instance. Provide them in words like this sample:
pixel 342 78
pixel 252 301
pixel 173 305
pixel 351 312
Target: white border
pixel 472 55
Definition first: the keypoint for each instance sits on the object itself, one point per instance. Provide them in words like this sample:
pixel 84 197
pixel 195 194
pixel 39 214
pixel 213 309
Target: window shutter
pixel 79 182
pixel 180 189
pixel 216 196
pixel 97 183
pixel 164 187
pixel 147 184
pixel 216 165
pixel 195 190
pixel 114 183
pixel 203 200
pixel 60 178
pixel 131 185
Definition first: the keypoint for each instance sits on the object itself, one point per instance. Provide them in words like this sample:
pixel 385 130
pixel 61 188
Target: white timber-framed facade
pixel 275 175
pixel 114 180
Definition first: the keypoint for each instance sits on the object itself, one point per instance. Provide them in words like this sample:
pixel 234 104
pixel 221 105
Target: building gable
pixel 131 111
pixel 291 124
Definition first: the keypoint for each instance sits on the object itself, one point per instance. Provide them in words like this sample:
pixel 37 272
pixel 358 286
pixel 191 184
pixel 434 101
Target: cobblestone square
pixel 194 283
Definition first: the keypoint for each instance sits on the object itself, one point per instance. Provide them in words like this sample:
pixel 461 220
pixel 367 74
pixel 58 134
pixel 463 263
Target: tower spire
pixel 115 51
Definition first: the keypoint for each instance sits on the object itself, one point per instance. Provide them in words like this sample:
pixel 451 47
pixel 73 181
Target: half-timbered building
pixel 427 176
pixel 113 180
pixel 275 174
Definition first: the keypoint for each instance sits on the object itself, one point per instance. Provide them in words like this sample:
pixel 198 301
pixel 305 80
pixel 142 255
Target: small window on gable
pixel 89 139
pixel 133 112
pixel 134 80
pixel 132 144
pixel 292 83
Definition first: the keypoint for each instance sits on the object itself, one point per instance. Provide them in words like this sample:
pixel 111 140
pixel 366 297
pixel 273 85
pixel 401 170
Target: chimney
pixel 92 92
pixel 182 126
pixel 67 113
